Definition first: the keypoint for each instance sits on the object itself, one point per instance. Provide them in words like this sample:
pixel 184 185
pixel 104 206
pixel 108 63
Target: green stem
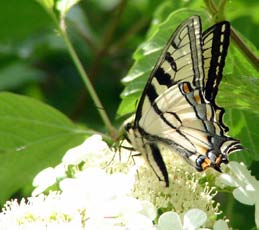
pixel 60 24
pixel 244 48
pixel 221 8
pixel 87 83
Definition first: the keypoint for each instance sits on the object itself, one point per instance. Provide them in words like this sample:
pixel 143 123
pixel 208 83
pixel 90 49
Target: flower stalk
pixel 87 82
pixel 59 20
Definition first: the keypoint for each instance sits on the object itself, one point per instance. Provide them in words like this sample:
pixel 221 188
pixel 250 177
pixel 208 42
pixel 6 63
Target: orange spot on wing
pixel 186 88
pixel 197 98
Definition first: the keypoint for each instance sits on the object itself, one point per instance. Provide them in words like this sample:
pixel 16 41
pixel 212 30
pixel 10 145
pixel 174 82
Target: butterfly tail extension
pixel 215 157
pixel 231 145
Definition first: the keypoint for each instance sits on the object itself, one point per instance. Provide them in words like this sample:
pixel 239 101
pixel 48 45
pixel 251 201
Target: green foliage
pixel 33 136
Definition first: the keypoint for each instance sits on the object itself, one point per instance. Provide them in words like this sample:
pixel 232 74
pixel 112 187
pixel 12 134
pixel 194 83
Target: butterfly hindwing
pixel 215 46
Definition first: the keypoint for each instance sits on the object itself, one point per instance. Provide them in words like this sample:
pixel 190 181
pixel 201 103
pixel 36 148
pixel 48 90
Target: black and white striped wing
pixel 215 46
pixel 181 60
pixel 177 108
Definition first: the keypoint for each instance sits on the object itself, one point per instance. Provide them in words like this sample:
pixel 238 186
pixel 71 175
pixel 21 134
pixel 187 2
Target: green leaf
pixel 245 19
pixel 237 63
pixel 33 136
pixel 239 92
pixel 244 126
pixel 22 24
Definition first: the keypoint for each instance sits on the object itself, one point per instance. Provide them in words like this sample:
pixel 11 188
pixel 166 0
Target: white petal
pixel 148 209
pixel 139 222
pixel 194 218
pixel 90 148
pixel 60 170
pixel 76 155
pixel 243 196
pixel 220 225
pixel 241 173
pixel 46 176
pixel 43 180
pixel 169 221
pixel 228 180
pixel 101 224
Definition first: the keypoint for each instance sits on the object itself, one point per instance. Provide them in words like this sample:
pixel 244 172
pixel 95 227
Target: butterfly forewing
pixel 181 60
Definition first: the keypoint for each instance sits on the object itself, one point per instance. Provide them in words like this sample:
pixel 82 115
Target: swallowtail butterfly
pixel 177 109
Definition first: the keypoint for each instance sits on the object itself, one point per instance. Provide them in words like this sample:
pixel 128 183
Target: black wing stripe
pixel 169 58
pixel 160 114
pixel 230 145
pixel 157 157
pixel 151 93
pixel 162 77
pixel 216 42
pixel 166 121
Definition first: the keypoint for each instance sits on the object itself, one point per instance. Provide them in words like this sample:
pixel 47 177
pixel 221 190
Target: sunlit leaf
pixel 33 136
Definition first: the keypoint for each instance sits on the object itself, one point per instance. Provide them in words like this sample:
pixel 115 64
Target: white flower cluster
pixel 41 212
pixel 95 192
pixel 192 220
pixel 184 191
